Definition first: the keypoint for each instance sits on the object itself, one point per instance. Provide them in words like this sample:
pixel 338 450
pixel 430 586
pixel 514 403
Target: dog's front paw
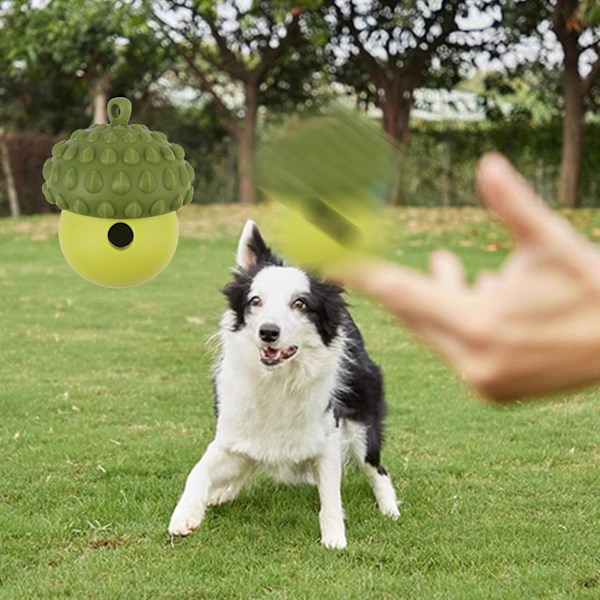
pixel 334 540
pixel 390 509
pixel 333 533
pixel 185 519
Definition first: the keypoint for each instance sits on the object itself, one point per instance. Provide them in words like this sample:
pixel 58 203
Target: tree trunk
pixel 99 89
pixel 13 198
pixel 573 92
pixel 572 146
pixel 396 107
pixel 246 143
pixel 573 124
pixel 396 115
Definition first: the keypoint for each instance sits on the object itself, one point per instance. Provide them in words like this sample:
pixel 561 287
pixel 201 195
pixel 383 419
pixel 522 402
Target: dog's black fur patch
pixel 326 308
pixel 362 397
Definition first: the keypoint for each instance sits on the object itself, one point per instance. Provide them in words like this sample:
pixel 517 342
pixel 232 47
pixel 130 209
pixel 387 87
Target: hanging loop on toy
pixel 119 111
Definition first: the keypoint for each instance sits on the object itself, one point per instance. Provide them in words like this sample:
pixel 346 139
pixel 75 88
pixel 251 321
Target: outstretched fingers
pixel 409 295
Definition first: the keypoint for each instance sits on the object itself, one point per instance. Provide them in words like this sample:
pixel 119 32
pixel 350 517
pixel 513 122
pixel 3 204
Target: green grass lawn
pixel 106 403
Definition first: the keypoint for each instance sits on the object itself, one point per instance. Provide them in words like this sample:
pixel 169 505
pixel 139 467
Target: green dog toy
pixel 331 175
pixel 118 187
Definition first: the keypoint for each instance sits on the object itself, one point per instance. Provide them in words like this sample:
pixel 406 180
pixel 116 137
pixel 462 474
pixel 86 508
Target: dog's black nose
pixel 269 332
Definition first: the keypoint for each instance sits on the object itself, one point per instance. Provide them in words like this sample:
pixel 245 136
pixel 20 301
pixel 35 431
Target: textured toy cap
pixel 118 171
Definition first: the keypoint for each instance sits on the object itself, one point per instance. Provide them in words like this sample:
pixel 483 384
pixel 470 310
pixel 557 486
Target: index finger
pixel 506 193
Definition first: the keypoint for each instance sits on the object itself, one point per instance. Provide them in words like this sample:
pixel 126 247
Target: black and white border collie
pixel 296 394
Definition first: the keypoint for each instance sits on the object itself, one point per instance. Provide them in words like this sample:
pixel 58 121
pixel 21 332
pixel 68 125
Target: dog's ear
pixel 252 250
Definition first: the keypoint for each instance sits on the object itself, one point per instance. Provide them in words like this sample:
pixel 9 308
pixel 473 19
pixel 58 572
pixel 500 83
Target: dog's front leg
pixel 215 470
pixel 328 475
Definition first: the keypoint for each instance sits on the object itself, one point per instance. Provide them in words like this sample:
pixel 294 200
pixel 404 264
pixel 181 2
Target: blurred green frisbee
pixel 331 175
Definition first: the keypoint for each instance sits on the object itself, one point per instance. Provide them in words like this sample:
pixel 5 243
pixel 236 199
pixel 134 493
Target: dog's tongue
pixel 270 352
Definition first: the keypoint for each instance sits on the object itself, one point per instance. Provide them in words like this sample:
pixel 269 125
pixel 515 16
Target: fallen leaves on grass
pixel 108 543
pixel 217 220
pixel 37 228
pixel 195 321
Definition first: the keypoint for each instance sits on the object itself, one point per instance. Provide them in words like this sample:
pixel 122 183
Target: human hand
pixel 531 328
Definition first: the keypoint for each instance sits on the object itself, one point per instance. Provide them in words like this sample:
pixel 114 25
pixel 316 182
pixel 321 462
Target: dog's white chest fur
pixel 277 417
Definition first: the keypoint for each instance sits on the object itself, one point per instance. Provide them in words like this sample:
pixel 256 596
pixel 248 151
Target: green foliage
pixel 52 53
pixel 30 99
pixel 590 13
pixel 232 43
pixel 207 147
pixel 228 35
pixel 289 5
pixel 411 43
pixel 439 166
pixel 106 404
pixel 519 20
pixel 535 24
pixel 526 91
pixel 297 81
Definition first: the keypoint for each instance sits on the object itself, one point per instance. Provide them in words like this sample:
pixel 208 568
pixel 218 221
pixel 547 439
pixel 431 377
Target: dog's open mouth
pixel 275 356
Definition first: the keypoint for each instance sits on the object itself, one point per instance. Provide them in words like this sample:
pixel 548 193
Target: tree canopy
pixel 247 60
pixel 231 53
pixel 71 54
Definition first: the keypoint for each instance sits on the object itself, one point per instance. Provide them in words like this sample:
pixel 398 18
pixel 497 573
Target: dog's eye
pixel 299 304
pixel 255 301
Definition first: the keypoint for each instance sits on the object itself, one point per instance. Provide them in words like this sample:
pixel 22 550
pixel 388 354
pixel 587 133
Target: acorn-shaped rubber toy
pixel 118 187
